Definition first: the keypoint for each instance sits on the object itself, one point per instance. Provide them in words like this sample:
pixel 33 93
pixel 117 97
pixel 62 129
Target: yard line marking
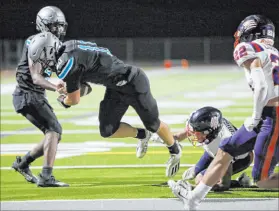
pixel 35 132
pixel 108 166
pixel 135 120
pixel 113 153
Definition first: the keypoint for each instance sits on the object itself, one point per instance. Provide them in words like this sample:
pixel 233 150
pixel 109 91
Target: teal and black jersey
pixel 23 75
pixel 86 62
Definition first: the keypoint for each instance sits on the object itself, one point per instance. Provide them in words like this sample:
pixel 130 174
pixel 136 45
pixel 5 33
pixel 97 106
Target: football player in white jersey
pixel 254 52
pixel 208 127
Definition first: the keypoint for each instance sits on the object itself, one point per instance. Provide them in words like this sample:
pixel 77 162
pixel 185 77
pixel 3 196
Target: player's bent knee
pixel 154 126
pixel 108 130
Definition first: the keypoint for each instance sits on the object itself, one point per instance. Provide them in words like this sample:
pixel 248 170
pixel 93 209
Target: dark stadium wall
pixel 141 18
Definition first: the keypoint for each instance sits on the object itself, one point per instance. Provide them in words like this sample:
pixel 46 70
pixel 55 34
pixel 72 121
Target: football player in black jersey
pixel 77 61
pixel 29 100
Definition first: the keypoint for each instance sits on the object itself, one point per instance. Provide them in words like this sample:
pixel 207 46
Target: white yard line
pixel 109 166
pixel 105 166
pixel 143 204
pixel 37 132
pixel 134 120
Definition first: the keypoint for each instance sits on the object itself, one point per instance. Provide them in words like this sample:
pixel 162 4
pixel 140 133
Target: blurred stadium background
pixel 99 168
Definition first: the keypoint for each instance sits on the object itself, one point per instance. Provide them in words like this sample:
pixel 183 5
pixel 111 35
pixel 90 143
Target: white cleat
pixel 173 163
pixel 156 138
pixel 143 145
pixel 183 190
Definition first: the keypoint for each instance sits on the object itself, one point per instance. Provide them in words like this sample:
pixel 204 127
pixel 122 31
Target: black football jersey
pixel 23 75
pixel 86 62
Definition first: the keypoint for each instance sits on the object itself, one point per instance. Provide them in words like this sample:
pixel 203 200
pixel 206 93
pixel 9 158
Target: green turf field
pixel 192 89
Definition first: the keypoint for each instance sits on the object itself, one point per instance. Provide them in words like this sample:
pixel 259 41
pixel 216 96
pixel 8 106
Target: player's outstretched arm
pixel 38 79
pixel 180 136
pixel 260 90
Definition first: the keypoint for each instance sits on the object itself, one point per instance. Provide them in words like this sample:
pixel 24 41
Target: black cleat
pixel 51 182
pixel 26 172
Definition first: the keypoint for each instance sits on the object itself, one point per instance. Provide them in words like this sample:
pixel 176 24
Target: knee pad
pixel 153 126
pixel 108 130
pixel 58 128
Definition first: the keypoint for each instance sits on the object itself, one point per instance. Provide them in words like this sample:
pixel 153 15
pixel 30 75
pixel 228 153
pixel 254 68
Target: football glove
pixel 60 100
pixel 173 163
pixel 189 174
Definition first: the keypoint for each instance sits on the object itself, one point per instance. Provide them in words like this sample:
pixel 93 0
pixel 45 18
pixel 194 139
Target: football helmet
pixel 254 27
pixel 204 125
pixel 51 19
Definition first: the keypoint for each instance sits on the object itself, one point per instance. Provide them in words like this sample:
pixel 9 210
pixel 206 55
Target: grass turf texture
pixel 119 183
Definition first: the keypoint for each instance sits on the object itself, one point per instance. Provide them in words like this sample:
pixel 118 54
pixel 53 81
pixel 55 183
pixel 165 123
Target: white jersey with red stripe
pixel 269 57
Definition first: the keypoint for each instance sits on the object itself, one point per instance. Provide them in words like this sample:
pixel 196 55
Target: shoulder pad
pixel 28 40
pixel 245 51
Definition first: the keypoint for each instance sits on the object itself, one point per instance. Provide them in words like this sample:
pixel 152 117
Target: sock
pixel 173 149
pixel 26 160
pixel 141 133
pixel 46 172
pixel 200 192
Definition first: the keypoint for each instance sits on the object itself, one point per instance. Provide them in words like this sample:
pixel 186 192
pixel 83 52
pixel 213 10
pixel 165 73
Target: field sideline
pixel 178 93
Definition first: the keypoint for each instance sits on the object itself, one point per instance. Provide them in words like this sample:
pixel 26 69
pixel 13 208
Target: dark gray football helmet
pixel 51 19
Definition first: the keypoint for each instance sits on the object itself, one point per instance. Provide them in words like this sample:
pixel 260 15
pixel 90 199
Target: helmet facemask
pixel 196 138
pixel 58 29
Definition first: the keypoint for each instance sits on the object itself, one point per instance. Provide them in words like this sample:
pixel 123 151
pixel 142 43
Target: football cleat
pixel 25 172
pixel 183 190
pixel 143 145
pixel 50 182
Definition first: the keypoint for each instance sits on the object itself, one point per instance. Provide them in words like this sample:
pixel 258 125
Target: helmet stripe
pixel 67 68
pixel 256 47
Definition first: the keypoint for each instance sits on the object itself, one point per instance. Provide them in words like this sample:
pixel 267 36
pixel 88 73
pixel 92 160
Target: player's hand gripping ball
pixel 60 100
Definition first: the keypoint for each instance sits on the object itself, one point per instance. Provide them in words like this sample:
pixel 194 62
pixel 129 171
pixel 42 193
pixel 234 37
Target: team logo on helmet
pixel 248 25
pixel 214 124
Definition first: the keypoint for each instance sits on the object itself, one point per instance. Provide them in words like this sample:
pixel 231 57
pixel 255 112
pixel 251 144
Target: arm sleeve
pixel 73 81
pixel 260 91
pixel 203 163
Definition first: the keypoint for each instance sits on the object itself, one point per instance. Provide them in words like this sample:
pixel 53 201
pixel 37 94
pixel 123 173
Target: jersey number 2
pixel 240 53
pixel 275 71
